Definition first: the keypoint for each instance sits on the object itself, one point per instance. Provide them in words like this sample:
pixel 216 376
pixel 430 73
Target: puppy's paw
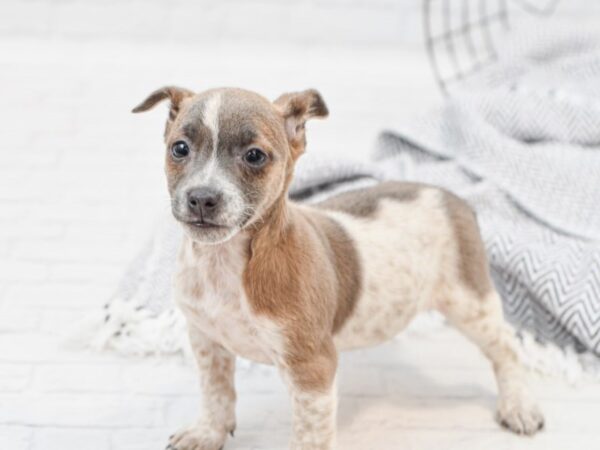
pixel 520 416
pixel 199 437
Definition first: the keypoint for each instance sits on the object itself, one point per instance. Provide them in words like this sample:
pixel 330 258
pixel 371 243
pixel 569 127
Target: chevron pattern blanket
pixel 525 152
pixel 521 144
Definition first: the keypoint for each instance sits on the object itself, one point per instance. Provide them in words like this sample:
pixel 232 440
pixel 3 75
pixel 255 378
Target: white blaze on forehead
pixel 211 174
pixel 210 117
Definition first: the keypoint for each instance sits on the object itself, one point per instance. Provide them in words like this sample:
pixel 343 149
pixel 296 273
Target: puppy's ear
pixel 296 108
pixel 173 93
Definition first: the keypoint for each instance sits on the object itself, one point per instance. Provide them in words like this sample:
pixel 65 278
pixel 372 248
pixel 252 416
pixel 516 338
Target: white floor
pixel 80 186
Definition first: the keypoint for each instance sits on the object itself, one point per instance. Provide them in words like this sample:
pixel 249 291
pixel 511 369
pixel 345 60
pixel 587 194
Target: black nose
pixel 203 201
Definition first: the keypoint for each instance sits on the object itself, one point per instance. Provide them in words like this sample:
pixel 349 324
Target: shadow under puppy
pixel 290 285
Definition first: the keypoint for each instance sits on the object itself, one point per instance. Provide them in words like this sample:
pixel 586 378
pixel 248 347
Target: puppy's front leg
pixel 311 380
pixel 217 369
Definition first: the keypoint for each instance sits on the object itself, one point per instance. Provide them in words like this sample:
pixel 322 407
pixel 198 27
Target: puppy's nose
pixel 203 201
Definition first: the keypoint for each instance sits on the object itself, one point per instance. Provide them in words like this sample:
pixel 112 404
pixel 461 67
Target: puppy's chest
pixel 210 292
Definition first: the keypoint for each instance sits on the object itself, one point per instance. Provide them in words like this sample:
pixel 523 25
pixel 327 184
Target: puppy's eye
pixel 255 157
pixel 180 150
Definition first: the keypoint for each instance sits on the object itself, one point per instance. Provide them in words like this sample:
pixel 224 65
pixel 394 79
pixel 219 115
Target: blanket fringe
pixel 565 363
pixel 131 330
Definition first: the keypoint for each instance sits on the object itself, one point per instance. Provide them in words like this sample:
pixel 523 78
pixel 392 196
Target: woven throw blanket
pixel 521 143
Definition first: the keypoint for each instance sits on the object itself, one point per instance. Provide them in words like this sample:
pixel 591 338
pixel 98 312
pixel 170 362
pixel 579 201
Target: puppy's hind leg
pixel 479 317
pixel 470 302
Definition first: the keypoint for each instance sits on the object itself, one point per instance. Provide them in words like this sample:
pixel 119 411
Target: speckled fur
pixel 297 283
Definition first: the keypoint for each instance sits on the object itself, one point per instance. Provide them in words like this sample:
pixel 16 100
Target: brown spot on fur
pixel 472 260
pixel 347 267
pixel 364 202
pixel 292 279
pixel 314 371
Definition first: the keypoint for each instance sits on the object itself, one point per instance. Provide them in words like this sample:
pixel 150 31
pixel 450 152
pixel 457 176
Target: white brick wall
pixel 14 377
pixel 296 21
pixel 60 438
pixel 81 410
pixel 16 437
pixel 329 22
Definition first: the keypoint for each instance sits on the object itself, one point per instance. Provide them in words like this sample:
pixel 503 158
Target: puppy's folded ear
pixel 296 108
pixel 173 93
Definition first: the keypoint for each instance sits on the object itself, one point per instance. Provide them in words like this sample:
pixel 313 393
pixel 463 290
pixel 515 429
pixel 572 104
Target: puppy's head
pixel 230 154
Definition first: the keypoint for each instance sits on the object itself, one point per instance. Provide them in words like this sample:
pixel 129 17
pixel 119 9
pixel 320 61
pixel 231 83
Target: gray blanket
pixel 521 143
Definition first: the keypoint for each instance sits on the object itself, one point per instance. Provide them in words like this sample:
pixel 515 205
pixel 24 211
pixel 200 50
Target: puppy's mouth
pixel 199 222
pixel 204 224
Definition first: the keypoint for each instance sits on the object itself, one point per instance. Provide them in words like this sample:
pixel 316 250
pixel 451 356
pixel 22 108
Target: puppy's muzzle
pixel 204 203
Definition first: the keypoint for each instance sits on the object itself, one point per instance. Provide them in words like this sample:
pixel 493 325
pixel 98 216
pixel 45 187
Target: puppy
pixel 291 285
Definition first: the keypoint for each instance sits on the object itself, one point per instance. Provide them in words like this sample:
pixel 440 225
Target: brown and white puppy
pixel 291 285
